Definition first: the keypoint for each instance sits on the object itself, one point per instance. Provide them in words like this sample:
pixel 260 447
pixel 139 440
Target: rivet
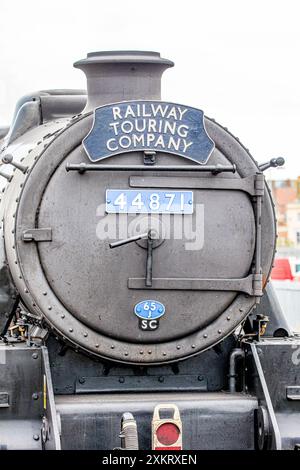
pixel 164 353
pixel 34 304
pixel 71 330
pixel 241 310
pixel 97 345
pixel 35 355
pixel 85 335
pixel 44 293
pixel 193 346
pixel 26 291
pixel 126 354
pixel 35 396
pixel 49 308
pixel 161 379
pixel 36 437
pixel 149 352
pixel 112 347
pixel 62 316
pixel 219 331
pixel 228 318
pixel 178 346
pixel 205 336
pixel 121 380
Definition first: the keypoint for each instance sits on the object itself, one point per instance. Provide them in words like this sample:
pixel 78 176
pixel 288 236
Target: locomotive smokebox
pixel 122 75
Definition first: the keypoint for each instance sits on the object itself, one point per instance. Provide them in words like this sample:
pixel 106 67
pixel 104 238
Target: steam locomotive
pixel 137 240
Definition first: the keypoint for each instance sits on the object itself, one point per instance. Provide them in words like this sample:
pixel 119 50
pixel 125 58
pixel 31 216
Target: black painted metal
pixel 215 169
pixel 51 396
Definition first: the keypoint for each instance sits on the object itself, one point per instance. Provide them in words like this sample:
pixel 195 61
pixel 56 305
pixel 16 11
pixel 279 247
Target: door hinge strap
pixel 37 235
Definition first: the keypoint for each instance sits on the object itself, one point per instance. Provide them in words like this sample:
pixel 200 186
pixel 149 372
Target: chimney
pixel 114 76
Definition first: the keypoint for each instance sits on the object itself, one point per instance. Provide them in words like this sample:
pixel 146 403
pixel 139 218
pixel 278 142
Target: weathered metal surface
pixel 277 361
pixel 37 235
pixel 67 319
pixel 70 278
pixel 209 420
pixel 20 382
pixel 140 384
pixel 122 75
pixel 156 126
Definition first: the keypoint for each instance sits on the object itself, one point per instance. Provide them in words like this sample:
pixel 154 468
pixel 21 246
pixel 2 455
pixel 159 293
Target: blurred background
pixel 236 60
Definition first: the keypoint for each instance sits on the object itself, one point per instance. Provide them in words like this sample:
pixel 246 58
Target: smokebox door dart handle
pixel 149 263
pixel 128 240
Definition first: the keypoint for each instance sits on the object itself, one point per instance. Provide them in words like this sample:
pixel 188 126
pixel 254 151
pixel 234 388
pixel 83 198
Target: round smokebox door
pixel 101 286
pixel 107 301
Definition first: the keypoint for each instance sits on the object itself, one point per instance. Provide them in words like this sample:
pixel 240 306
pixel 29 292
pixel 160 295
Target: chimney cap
pixel 119 57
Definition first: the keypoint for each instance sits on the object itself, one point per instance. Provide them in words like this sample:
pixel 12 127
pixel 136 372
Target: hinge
pixel 4 400
pixel 259 184
pixel 257 285
pixel 149 157
pixel 293 393
pixel 37 235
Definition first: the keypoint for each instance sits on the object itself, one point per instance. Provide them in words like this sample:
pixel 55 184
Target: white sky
pixel 238 60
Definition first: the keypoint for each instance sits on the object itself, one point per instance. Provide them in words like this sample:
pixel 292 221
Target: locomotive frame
pixel 226 374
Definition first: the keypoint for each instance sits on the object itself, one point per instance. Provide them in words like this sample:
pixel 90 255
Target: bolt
pixel 35 396
pixel 121 380
pixel 35 355
pixel 36 437
pixel 81 380
pixel 200 378
pixel 161 379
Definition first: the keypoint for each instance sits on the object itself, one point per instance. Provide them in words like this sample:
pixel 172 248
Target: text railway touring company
pixel 153 125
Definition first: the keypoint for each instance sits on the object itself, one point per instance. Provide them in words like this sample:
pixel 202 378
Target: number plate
pixel 145 202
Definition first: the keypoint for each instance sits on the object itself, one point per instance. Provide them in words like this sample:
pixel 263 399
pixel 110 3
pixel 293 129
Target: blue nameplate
pixel 148 125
